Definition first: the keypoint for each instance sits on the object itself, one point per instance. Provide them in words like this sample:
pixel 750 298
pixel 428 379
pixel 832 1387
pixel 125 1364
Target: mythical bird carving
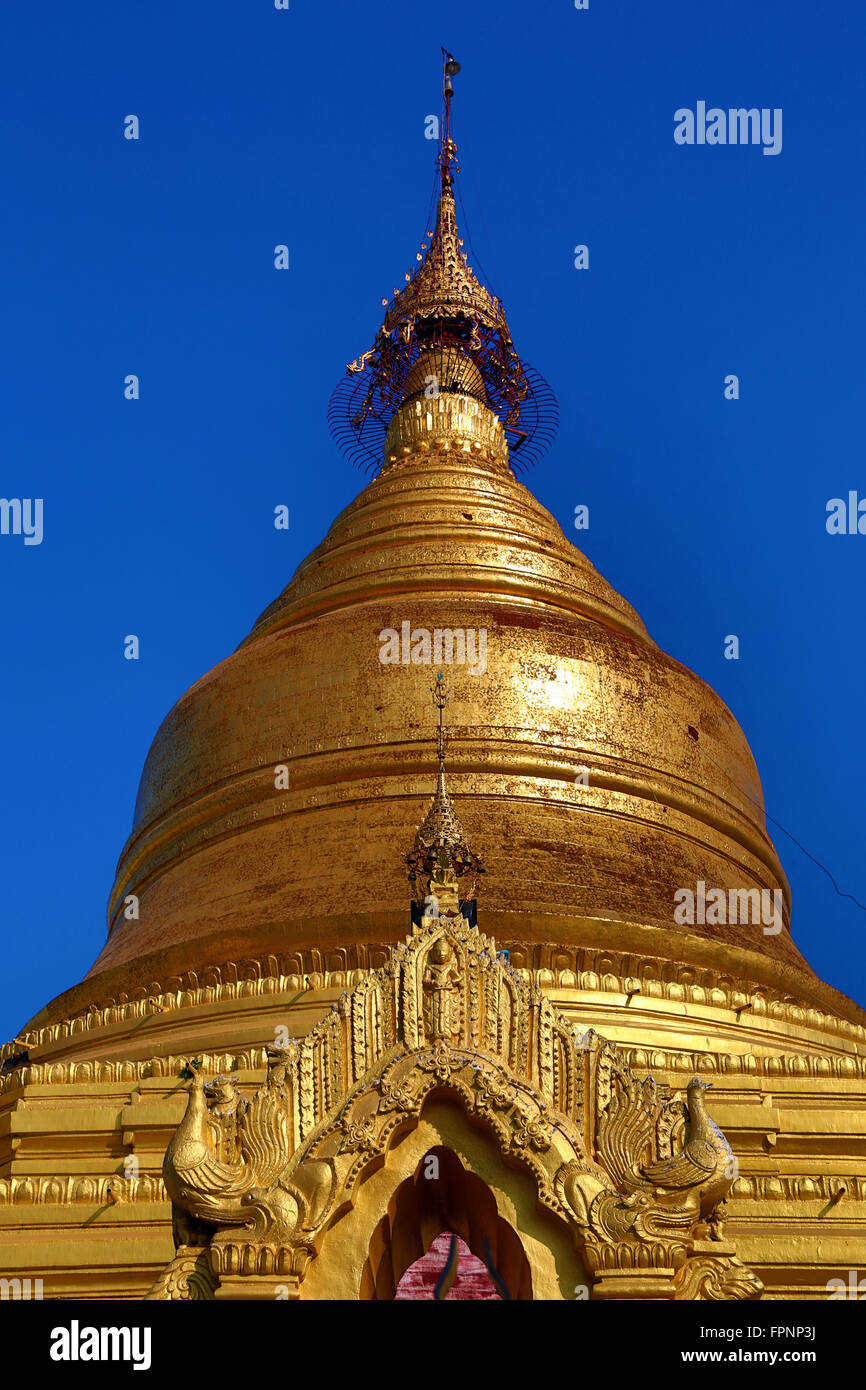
pixel 198 1175
pixel 706 1168
pixel 638 1122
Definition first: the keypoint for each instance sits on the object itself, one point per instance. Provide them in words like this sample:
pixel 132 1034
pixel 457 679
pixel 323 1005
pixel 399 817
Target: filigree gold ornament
pixel 188 1278
pixel 717 1278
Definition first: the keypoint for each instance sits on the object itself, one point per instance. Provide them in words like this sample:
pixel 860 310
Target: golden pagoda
pixel 286 1074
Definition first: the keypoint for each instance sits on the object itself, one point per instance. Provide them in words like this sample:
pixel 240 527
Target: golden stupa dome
pixel 573 692
pixel 594 775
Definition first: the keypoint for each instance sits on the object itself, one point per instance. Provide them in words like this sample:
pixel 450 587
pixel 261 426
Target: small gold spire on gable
pixel 442 856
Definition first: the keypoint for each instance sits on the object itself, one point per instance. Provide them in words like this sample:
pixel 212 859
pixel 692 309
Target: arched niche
pixel 440 1196
pixel 387 1228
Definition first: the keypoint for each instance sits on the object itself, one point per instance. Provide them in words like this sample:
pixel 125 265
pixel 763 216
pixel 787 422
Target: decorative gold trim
pixel 65 1191
pixel 448 422
pixel 299 971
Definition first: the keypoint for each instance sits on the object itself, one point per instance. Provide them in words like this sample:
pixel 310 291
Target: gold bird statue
pixel 705 1168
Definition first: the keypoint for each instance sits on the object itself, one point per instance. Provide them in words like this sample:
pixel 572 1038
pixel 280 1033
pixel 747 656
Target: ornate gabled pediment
pixel 637 1176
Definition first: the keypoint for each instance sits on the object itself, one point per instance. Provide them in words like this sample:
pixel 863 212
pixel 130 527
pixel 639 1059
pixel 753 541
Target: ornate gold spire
pixel 440 841
pixel 444 287
pixel 443 333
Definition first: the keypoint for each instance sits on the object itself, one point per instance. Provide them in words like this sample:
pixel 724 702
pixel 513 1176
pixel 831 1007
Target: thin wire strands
pixel 363 405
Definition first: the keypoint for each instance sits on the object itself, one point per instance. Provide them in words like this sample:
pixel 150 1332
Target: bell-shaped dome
pixel 594 774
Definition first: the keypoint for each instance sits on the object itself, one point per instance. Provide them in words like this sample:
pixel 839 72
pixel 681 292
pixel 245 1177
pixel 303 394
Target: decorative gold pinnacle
pixel 444 287
pixel 440 841
pixel 443 333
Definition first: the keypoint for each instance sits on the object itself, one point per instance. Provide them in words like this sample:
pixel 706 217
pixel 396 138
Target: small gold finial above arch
pixel 442 868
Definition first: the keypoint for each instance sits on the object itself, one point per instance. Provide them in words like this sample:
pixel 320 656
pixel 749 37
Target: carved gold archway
pixel 634 1178
pixel 452 1111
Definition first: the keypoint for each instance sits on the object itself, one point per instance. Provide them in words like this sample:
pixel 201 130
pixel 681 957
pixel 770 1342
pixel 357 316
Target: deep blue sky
pixel 260 127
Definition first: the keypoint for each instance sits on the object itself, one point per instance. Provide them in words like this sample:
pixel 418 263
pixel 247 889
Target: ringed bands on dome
pixel 443 333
